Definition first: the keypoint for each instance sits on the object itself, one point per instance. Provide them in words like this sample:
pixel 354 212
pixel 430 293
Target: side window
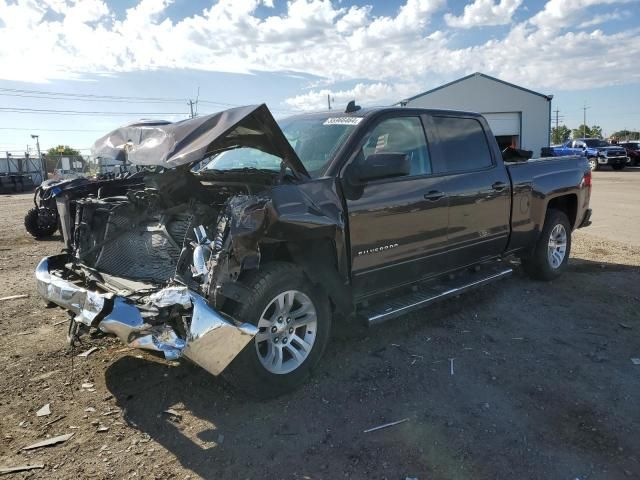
pixel 401 135
pixel 463 143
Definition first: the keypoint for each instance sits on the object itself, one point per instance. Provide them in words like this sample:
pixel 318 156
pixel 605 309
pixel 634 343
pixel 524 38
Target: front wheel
pixel 551 252
pixel 593 164
pixel 294 323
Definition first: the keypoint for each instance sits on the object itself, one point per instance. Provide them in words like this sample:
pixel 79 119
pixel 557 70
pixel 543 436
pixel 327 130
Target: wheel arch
pixel 568 204
pixel 318 259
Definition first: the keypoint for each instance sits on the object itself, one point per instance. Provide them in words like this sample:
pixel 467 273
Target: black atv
pixel 42 220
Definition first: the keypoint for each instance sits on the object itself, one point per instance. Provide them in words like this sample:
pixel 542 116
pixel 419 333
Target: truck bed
pixel 535 183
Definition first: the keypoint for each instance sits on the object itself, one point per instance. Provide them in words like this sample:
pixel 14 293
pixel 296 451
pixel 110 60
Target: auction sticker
pixel 343 121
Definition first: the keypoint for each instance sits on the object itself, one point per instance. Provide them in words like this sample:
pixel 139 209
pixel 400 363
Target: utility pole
pixel 329 100
pixel 43 167
pixel 584 120
pixel 557 120
pixel 194 113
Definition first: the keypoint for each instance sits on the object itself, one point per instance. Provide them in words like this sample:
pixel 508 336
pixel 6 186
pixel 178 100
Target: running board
pixel 421 297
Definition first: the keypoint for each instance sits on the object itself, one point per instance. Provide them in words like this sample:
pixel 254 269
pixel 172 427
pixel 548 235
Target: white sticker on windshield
pixel 343 121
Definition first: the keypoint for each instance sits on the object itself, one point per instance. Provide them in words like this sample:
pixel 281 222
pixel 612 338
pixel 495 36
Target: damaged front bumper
pixel 212 339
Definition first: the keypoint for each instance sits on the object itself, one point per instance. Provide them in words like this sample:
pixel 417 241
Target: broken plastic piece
pixel 44 411
pixel 49 441
pixel 20 468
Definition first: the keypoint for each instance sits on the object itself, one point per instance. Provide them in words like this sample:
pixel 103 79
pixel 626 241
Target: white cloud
pixel 559 14
pixel 484 13
pixel 603 18
pixel 379 93
pixel 385 55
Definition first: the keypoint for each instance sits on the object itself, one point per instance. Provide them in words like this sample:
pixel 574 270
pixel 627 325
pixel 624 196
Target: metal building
pixel 518 116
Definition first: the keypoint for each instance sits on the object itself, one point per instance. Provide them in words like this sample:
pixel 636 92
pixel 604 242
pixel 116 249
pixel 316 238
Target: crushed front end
pixel 147 264
pixel 207 337
pixel 156 258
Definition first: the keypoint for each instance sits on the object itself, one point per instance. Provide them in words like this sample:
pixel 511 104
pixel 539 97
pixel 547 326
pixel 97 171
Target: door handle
pixel 499 186
pixel 433 195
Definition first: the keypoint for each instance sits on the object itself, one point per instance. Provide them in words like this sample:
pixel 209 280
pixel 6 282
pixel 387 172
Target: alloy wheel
pixel 557 247
pixel 286 332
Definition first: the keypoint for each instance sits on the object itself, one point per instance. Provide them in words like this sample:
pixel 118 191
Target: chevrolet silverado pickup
pixel 242 265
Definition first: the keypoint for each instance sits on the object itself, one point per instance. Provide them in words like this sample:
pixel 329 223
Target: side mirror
pixel 383 165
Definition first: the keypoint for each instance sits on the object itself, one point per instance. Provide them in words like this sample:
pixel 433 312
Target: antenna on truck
pixel 352 107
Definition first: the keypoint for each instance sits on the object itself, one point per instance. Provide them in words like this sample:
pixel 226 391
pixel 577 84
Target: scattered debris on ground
pixel 21 468
pixel 88 352
pixel 49 441
pixel 386 425
pixel 44 411
pixel 526 400
pixel 13 297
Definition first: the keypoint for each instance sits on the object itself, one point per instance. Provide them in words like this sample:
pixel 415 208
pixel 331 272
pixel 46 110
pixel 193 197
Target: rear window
pixel 463 143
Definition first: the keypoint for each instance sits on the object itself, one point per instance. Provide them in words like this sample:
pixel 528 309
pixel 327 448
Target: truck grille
pixel 147 252
pixel 146 255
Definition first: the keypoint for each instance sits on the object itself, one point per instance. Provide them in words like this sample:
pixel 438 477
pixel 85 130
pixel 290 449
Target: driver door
pixel 397 226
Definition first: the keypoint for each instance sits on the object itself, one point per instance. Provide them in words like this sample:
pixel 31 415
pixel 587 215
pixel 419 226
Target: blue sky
pixel 159 53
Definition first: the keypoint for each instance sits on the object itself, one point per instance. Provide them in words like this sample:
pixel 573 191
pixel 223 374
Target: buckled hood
pixel 186 142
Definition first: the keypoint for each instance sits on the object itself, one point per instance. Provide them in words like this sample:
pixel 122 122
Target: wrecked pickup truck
pixel 242 265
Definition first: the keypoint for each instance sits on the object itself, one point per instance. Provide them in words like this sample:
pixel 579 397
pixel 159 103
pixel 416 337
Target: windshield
pixel 595 142
pixel 315 140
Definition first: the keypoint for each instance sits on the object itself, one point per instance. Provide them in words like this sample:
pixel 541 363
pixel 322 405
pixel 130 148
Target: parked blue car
pixel 598 152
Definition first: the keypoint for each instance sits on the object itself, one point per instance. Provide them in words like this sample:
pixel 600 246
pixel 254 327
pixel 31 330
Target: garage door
pixel 504 123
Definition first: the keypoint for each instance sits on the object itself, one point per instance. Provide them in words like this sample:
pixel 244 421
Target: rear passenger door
pixel 478 188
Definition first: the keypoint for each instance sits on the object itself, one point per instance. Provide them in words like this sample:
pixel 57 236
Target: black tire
pixel 617 167
pixel 593 164
pixel 40 222
pixel 246 372
pixel 538 265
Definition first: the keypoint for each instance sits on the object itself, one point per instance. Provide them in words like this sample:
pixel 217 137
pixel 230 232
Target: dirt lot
pixel 615 205
pixel 543 386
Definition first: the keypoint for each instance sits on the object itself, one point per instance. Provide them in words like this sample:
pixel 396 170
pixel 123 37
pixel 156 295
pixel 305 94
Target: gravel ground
pixel 518 380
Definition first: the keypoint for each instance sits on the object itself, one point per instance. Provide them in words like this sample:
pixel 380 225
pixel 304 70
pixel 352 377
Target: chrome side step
pixel 422 297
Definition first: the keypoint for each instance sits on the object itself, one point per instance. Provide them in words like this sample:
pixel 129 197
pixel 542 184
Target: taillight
pixel 586 180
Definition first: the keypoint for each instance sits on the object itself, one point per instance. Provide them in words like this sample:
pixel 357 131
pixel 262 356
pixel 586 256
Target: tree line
pixel 562 133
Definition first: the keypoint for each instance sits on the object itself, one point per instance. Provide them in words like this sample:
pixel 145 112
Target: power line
pixel 49 129
pixel 77 112
pixel 72 99
pixel 88 95
pixel 49 95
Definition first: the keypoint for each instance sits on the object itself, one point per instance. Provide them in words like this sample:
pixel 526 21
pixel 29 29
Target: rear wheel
pixel 551 253
pixel 294 322
pixel 41 222
pixel 593 164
